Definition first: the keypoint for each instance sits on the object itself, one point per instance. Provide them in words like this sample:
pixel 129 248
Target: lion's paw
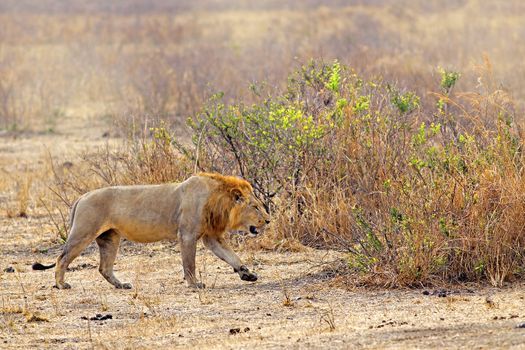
pixel 125 286
pixel 198 285
pixel 63 286
pixel 245 274
pixel 248 276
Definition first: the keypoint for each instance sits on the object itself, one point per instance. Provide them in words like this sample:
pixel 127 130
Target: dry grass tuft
pixel 328 317
pixel 30 316
pixel 23 197
pixel 35 317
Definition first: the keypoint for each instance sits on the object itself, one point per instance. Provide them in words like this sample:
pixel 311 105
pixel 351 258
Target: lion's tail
pixel 39 266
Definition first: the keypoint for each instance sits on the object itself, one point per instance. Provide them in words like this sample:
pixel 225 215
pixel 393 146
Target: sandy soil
pixel 295 303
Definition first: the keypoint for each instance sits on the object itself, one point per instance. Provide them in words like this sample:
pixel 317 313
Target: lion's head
pixel 249 216
pixel 233 206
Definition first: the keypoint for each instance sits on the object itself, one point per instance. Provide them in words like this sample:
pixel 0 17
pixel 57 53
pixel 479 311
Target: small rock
pixel 9 269
pixel 246 329
pixel 426 292
pixel 489 300
pixel 99 317
pixel 442 293
pixel 235 330
pixel 520 325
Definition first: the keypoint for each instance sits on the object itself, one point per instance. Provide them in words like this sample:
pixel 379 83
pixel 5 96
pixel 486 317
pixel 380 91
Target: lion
pixel 204 206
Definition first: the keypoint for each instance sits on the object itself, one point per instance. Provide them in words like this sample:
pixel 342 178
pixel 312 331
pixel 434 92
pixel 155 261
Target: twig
pixel 197 149
pixel 57 226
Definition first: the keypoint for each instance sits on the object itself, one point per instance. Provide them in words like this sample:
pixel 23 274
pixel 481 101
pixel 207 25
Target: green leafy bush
pixel 352 164
pixel 274 143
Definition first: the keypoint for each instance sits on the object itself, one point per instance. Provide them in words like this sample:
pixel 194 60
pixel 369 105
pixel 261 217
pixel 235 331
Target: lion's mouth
pixel 253 230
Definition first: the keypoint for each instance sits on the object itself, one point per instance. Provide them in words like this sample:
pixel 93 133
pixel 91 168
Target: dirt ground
pixel 294 304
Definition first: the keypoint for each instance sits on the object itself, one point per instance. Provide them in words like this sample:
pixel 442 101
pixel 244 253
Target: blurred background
pixel 125 59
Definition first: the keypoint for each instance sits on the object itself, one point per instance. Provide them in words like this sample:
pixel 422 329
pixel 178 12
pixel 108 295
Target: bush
pixel 274 143
pixel 355 164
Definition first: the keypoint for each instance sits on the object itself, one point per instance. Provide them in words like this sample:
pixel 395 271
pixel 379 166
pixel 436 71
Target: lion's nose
pixel 267 221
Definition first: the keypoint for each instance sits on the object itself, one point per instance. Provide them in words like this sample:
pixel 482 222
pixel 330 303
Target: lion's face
pixel 249 215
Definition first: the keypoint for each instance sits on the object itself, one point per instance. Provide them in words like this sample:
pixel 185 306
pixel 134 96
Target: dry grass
pixel 57 61
pixel 161 311
pixel 106 89
pixel 166 313
pixel 410 203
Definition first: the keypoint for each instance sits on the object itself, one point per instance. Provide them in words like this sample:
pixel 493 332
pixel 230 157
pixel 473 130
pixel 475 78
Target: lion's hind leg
pixel 76 243
pixel 108 244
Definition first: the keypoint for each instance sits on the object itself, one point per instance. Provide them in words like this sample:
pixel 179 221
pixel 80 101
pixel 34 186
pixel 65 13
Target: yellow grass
pixel 79 92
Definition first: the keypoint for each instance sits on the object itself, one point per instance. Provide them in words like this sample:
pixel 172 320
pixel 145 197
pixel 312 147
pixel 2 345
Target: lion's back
pixel 145 212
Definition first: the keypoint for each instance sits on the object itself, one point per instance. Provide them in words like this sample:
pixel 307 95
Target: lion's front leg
pixel 188 248
pixel 224 252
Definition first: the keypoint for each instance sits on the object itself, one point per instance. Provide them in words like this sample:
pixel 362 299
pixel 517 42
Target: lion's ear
pixel 237 195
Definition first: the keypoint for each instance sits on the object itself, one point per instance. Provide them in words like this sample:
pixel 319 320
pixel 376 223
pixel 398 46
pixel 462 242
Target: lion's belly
pixel 143 213
pixel 145 230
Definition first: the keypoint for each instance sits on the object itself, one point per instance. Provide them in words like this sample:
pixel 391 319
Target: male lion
pixel 204 206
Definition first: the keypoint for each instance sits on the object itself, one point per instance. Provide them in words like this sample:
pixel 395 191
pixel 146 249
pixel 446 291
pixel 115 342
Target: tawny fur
pixel 204 206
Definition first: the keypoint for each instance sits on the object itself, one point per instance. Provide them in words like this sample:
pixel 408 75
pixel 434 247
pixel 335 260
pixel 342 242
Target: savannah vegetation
pixel 389 132
pixel 384 138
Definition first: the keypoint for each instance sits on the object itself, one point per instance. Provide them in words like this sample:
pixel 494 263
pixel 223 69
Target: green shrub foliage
pixel 413 196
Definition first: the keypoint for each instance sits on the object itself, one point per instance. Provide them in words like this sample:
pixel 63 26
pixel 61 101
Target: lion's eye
pixel 256 208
